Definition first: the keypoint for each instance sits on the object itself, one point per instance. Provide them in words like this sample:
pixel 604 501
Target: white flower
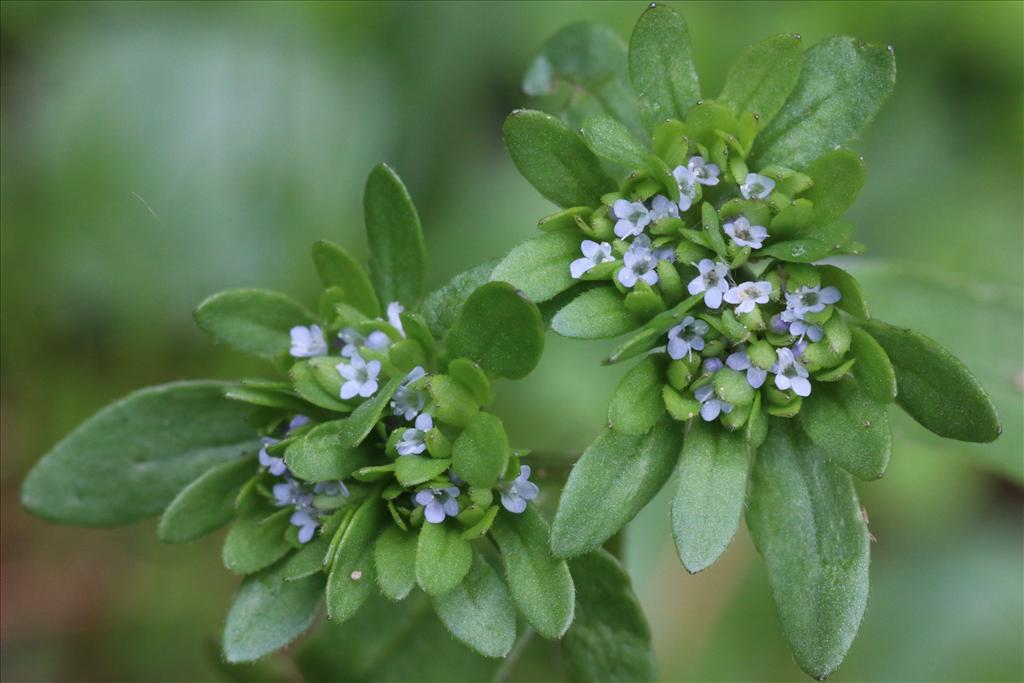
pixel 639 263
pixel 308 342
pixel 632 217
pixel 712 281
pixel 360 376
pixel 438 503
pixel 809 300
pixel 710 405
pixel 594 253
pixel 740 361
pixel 703 172
pixel 352 340
pixel 686 337
pixel 789 373
pixel 515 493
pixel 748 294
pixel 414 441
pixel 743 234
pixel 663 207
pixel 395 309
pixel 756 186
pixel 687 182
pixel 408 402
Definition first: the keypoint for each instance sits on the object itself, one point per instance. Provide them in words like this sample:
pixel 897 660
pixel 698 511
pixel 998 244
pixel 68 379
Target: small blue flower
pixel 352 340
pixel 414 441
pixel 687 182
pixel 740 361
pixel 790 374
pixel 703 172
pixel 632 217
pixel 515 493
pixel 743 234
pixel 712 365
pixel 809 300
pixel 639 263
pixel 308 521
pixel 297 421
pixel 712 281
pixel 291 492
pixel 308 342
pixel 409 402
pixel 710 405
pixel 748 294
pixel 360 377
pixel 662 207
pixel 756 186
pixel 438 503
pixel 594 253
pixel 274 465
pixel 686 337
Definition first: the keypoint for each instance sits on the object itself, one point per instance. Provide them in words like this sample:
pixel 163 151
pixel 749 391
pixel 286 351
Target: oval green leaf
pixel 661 65
pixel 351 579
pixel 480 453
pixel 443 558
pixel 337 268
pixel 873 369
pixel 207 504
pixel 255 321
pixel 479 611
pixel 394 556
pixel 398 256
pixel 762 77
pixel 598 313
pixel 612 141
pixel 540 267
pixel 636 405
pixel 321 454
pixel 838 175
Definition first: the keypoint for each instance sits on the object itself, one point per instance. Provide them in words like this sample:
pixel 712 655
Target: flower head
pixel 632 217
pixel 740 361
pixel 639 263
pixel 360 376
pixel 809 300
pixel 703 172
pixel 790 374
pixel 406 401
pixel 308 342
pixel 414 440
pixel 515 493
pixel 801 329
pixel 687 181
pixel 710 405
pixel 686 337
pixel 663 207
pixel 351 341
pixel 291 492
pixel 756 186
pixel 308 521
pixel 594 253
pixel 712 281
pixel 749 294
pixel 273 464
pixel 438 503
pixel 743 234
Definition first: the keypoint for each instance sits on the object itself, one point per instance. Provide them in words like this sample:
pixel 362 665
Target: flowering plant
pixel 368 473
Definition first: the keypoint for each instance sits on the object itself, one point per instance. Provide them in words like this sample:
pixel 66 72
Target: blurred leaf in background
pixel 154 153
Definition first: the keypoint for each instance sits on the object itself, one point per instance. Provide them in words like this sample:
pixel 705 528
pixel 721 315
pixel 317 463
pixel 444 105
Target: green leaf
pixel 479 611
pixel 411 470
pixel 269 398
pixel 321 454
pixel 311 558
pixel 612 141
pixel 613 480
pixel 207 504
pixel 394 556
pixel 636 405
pixel 935 387
pixel 441 307
pixel 661 65
pixel 128 461
pixel 304 381
pixel 481 452
pixel 609 639
pixel 255 321
pixel 539 267
pixel 584 67
pixel 268 613
pixel 873 369
pixel 762 77
pixel 443 558
pixel 838 175
pixel 823 242
pixel 256 540
pixel 352 574
pixel 842 87
pixel 595 314
pixel 541 585
pixel 709 499
pixel 361 422
pixel 850 427
pixel 853 298
pixel 337 268
pixel 398 257
pixel 806 522
pixel 500 330
pixel 554 159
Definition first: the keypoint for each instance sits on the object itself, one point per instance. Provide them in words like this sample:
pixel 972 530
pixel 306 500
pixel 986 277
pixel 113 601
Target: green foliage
pixel 441 307
pixel 398 258
pixel 935 388
pixel 268 613
pixel 807 524
pixel 394 557
pixel 206 504
pixel 762 77
pixel 538 267
pixel 253 321
pixel 838 176
pixel 132 458
pixel 479 611
pixel 500 330
pixel 613 141
pixel 443 558
pixel 321 454
pixel 613 480
pixel 609 639
pixel 850 427
pixel 351 579
pixel 337 268
pixel 637 406
pixel 554 159
pixel 661 65
pixel 480 454
pixel 595 314
pixel 709 497
pixel 256 540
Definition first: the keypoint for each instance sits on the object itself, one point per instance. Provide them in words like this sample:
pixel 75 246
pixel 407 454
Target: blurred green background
pixel 155 153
